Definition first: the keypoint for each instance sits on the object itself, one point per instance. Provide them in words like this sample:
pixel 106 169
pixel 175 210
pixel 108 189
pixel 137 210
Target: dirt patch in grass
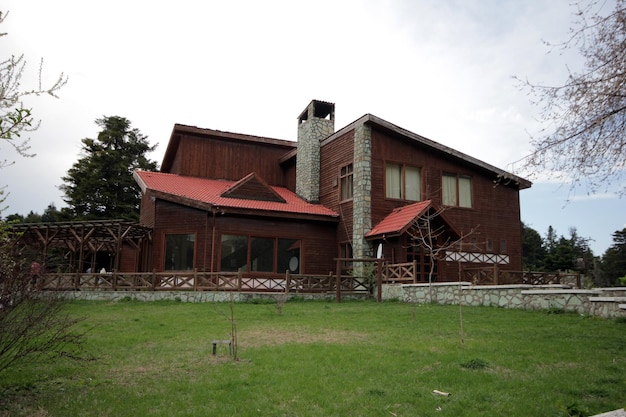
pixel 274 337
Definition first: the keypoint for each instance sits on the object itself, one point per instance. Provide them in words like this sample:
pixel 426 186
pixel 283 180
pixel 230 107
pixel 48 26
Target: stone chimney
pixel 315 123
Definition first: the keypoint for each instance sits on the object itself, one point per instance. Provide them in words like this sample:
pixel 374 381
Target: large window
pixel 234 253
pixel 456 190
pixel 261 254
pixel 288 256
pixel 257 254
pixel 346 182
pixel 403 182
pixel 179 250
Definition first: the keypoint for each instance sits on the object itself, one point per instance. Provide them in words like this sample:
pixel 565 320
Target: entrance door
pixel 416 252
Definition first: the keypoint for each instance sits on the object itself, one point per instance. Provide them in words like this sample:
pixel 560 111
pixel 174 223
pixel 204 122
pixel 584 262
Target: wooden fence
pixel 405 273
pixel 202 281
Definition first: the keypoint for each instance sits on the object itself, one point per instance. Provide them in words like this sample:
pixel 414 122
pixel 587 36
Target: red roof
pixel 207 191
pixel 399 220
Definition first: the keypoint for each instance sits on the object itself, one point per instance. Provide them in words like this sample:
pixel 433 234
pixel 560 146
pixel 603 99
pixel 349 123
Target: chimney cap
pixel 318 109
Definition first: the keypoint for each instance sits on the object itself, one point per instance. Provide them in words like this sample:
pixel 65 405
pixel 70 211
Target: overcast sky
pixel 440 68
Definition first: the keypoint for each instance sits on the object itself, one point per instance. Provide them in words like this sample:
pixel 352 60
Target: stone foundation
pixel 603 302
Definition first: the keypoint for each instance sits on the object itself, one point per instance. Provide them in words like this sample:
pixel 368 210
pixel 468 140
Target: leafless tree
pixel 435 239
pixel 583 141
pixel 33 325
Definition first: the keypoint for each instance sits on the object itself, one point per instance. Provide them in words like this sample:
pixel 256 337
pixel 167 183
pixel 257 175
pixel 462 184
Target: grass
pixel 327 359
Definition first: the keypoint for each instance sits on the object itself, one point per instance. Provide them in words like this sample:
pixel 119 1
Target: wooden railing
pixel 201 281
pixel 405 273
pixel 400 273
pixel 495 276
pixel 297 283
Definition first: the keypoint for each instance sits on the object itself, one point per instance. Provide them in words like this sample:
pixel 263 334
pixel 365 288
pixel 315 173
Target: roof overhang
pixel 500 176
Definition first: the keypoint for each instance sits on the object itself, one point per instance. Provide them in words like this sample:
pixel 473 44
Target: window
pixel 234 253
pixel 346 182
pixel 456 190
pixel 288 256
pixel 345 251
pixel 179 251
pixel 403 182
pixel 260 255
pixel 489 245
pixel 503 246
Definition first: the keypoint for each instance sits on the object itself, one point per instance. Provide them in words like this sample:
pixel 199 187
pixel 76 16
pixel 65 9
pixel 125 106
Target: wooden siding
pixel 289 174
pixel 129 259
pixel 221 158
pixel 178 219
pixel 333 156
pixel 495 210
pixel 146 210
pixel 318 238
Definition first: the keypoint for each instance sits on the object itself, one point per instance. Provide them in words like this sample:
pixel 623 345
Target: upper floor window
pixel 403 182
pixel 456 190
pixel 346 182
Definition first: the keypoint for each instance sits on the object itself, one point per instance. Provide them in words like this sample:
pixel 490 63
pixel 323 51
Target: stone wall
pixel 200 296
pixel 604 302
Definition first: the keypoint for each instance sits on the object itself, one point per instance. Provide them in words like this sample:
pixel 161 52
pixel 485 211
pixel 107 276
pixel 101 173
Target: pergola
pixel 80 241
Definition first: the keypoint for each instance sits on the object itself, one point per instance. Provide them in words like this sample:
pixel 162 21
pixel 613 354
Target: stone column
pixel 362 198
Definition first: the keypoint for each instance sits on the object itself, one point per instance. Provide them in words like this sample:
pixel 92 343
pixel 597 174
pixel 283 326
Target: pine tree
pixel 100 184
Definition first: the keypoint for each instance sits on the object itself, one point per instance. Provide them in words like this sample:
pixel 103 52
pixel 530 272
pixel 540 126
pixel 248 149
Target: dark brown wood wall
pixel 495 212
pixel 129 259
pixel 220 158
pixel 177 219
pixel 146 210
pixel 289 174
pixel 334 155
pixel 318 249
pixel 317 238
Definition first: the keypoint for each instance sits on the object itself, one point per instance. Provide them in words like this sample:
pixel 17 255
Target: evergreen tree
pixel 100 184
pixel 614 259
pixel 533 249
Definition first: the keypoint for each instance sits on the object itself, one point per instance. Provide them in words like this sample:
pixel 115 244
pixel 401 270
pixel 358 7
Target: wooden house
pixel 235 202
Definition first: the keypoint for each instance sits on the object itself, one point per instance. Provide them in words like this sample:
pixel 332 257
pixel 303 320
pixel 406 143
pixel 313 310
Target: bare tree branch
pixel 584 140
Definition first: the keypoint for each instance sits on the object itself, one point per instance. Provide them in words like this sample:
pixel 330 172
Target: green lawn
pixel 327 359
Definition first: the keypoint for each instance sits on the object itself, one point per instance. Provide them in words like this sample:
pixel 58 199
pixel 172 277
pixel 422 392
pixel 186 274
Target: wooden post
pixel 287 281
pixel 379 274
pixel 338 282
pixel 496 274
pixel 414 272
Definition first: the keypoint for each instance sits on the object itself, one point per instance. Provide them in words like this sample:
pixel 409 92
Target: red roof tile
pixel 210 192
pixel 399 220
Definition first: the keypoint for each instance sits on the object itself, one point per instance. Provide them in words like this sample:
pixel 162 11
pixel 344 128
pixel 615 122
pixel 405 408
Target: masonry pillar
pixel 315 123
pixel 362 196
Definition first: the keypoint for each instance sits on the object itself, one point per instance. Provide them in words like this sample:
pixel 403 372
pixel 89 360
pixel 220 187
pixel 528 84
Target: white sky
pixel 440 68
